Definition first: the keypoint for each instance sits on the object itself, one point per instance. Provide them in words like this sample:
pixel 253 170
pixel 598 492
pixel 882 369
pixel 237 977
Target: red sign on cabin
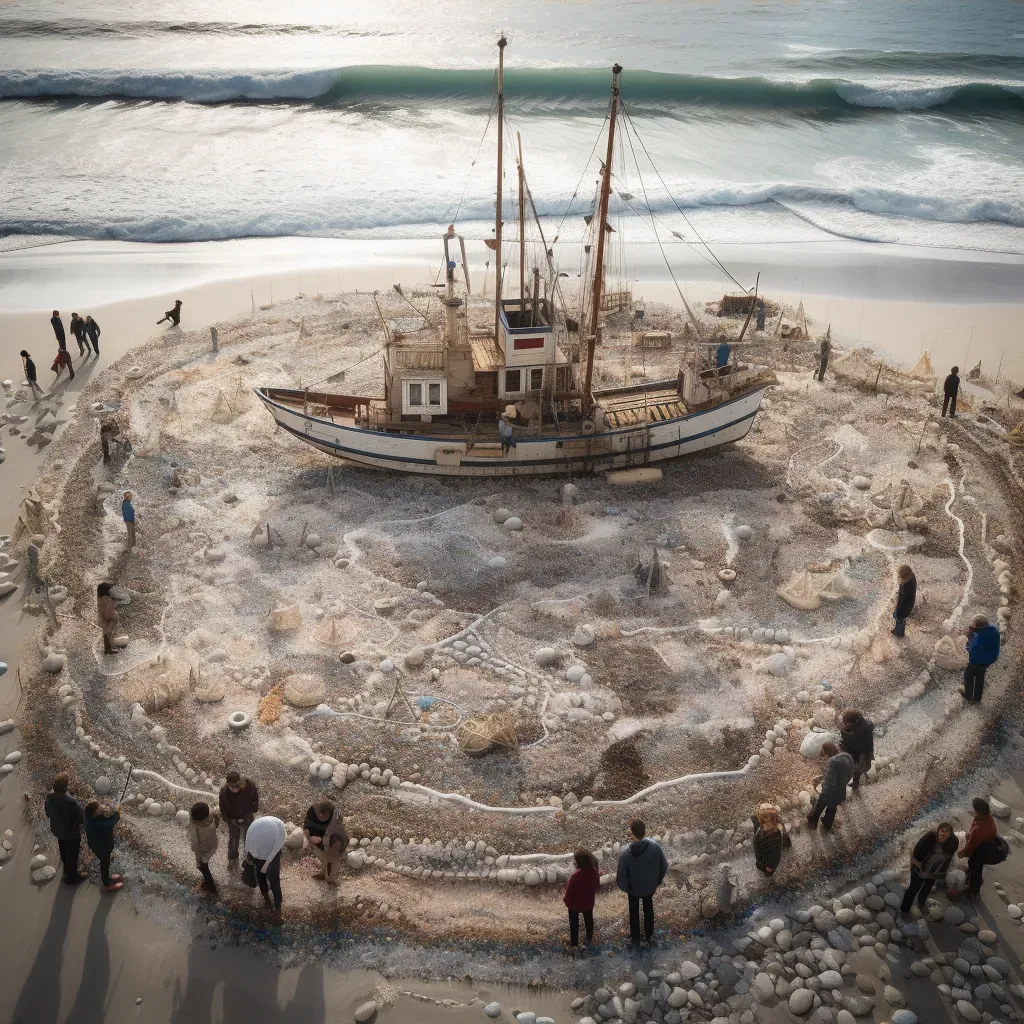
pixel 519 344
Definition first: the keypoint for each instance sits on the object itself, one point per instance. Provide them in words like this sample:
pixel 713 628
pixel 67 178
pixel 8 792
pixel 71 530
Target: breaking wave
pixel 333 220
pixel 561 88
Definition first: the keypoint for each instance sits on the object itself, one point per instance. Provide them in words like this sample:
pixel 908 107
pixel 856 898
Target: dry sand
pixel 189 980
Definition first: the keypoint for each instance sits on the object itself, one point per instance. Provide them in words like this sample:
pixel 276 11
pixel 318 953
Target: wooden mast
pixel 502 43
pixel 522 236
pixel 602 219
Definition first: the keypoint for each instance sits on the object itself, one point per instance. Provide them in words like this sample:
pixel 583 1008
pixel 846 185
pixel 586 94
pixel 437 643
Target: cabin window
pixel 537 378
pixel 522 344
pixel 424 397
pixel 513 382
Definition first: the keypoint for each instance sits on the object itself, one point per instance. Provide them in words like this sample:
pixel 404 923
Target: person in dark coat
pixel 838 773
pixel 826 351
pixel 65 815
pixel 857 738
pixel 30 373
pixel 100 821
pixel 580 894
pixel 642 868
pixel 239 801
pixel 978 844
pixel 78 330
pixel 982 651
pixel 174 315
pixel 58 330
pixel 929 862
pixel 770 839
pixel 92 332
pixel 906 598
pixel 760 315
pixel 950 389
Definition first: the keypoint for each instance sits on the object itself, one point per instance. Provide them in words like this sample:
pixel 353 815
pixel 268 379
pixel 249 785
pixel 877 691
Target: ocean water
pixel 747 120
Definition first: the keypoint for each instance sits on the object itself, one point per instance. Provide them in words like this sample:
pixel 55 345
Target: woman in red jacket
pixel 579 895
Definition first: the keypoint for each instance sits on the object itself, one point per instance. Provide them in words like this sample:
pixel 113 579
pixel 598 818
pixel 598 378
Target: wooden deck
pixel 649 407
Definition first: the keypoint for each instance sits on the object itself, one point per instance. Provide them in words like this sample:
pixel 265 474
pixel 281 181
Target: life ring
pixel 727 575
pixel 239 720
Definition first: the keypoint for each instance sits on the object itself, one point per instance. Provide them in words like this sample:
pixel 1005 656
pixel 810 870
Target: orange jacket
pixel 982 830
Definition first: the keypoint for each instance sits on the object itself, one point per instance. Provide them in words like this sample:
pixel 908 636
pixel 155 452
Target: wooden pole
pixel 602 217
pixel 522 236
pixel 502 43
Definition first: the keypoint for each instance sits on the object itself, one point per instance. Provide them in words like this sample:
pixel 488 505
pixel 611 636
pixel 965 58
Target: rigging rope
pixel 719 263
pixel 696 323
pixel 582 176
pixel 469 173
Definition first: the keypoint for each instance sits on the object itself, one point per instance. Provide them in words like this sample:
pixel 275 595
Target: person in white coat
pixel 263 842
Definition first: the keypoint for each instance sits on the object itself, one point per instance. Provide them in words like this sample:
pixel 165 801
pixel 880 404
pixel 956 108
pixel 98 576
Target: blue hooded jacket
pixel 983 646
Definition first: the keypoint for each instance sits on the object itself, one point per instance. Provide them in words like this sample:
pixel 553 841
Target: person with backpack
pixel 929 862
pixel 770 839
pixel 906 598
pixel 838 773
pixel 982 651
pixel 579 896
pixel 642 868
pixel 857 738
pixel 983 845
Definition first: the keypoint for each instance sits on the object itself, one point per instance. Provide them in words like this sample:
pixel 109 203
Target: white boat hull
pixel 578 453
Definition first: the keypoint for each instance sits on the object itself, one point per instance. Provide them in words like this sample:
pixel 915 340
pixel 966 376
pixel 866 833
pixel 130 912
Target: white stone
pixel 54 663
pixel 44 874
pixel 365 1012
pixel 415 657
pixel 812 743
pixel 37 861
pixel 545 656
pixel 513 524
pixel 583 636
pixel 102 785
pixel 800 1001
pixel 493 1010
pixel 862 483
pixel 325 771
pixel 968 1010
pixel 743 532
pixel 501 515
pixel 998 808
pixel 497 562
pixel 313 541
pixel 14 757
pixel 215 555
pixel 777 664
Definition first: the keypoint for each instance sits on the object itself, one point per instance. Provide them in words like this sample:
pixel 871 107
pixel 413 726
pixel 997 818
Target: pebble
pixel 14 757
pixel 800 1001
pixel 493 1010
pixel 366 1011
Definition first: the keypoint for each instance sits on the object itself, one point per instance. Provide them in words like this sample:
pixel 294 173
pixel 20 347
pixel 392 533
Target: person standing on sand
pixel 78 330
pixel 92 332
pixel 838 773
pixel 950 389
pixel 579 896
pixel 202 837
pixel 239 801
pixel 642 868
pixel 983 845
pixel 826 351
pixel 107 616
pixel 264 844
pixel 857 738
pixel 906 598
pixel 128 514
pixel 30 374
pixel 100 820
pixel 65 815
pixel 174 315
pixel 770 839
pixel 326 833
pixel 982 651
pixel 929 862
pixel 760 314
pixel 58 330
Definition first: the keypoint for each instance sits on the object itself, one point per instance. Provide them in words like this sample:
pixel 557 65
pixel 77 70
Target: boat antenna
pixel 602 216
pixel 522 232
pixel 502 43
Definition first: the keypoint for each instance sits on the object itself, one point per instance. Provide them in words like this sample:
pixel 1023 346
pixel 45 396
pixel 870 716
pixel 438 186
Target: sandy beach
pixel 80 956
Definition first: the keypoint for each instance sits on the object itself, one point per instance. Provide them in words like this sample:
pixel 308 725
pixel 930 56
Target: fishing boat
pixel 515 396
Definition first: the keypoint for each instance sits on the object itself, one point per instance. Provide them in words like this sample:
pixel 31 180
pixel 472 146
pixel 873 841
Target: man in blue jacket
pixel 642 868
pixel 982 651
